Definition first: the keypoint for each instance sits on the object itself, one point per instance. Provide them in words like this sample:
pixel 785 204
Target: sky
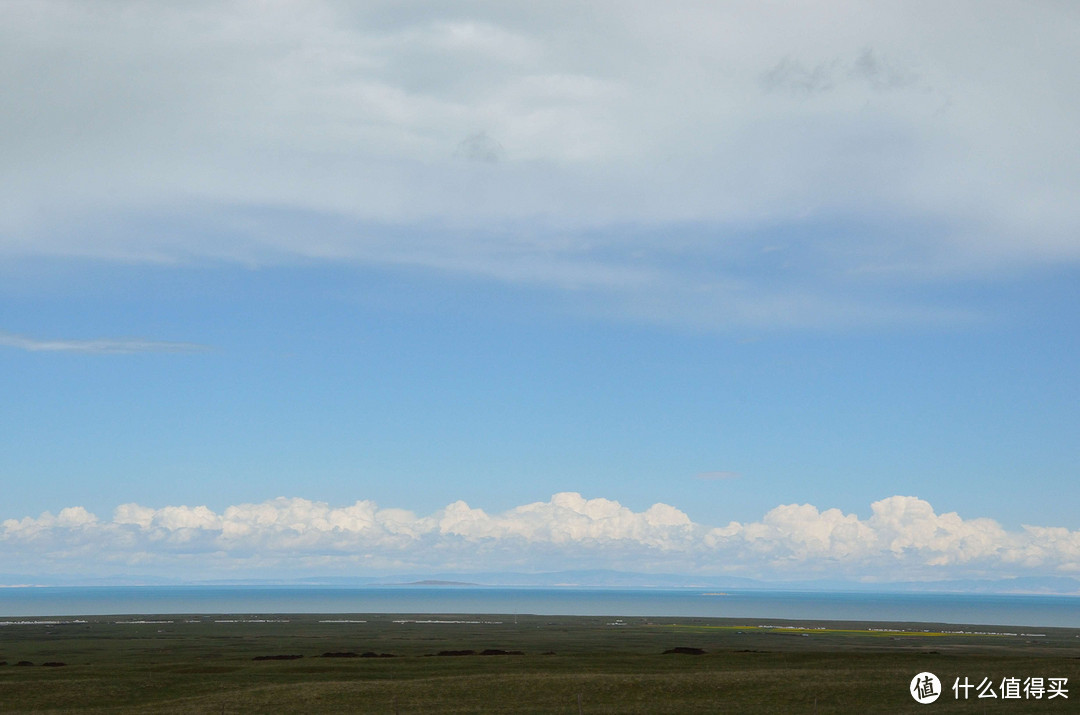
pixel 757 289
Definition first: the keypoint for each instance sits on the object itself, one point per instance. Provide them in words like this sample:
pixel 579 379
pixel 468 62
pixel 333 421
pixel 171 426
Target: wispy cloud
pixel 718 476
pixel 98 346
pixel 904 538
pixel 792 76
pixel 481 147
pixel 868 68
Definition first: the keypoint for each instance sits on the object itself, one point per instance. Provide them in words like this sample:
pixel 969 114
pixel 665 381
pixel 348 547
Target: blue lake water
pixel 980 609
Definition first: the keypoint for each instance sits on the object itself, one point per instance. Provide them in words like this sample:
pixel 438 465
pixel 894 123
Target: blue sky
pixel 815 294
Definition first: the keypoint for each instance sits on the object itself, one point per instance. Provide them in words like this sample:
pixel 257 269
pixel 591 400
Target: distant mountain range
pixel 597 578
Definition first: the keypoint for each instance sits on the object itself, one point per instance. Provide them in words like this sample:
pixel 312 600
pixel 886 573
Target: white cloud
pixel 72 517
pixel 103 346
pixel 882 141
pixel 902 539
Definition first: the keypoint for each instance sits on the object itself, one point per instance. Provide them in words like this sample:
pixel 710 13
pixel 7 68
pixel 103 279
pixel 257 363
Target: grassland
pixel 230 664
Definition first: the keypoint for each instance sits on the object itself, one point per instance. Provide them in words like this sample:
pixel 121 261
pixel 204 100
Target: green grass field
pixel 208 664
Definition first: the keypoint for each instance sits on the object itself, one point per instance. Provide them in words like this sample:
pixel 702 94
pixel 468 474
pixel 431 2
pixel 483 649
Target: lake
pixel 981 609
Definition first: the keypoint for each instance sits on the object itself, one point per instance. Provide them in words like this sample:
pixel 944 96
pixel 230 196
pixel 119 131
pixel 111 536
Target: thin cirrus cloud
pixel 98 346
pixel 877 144
pixel 903 538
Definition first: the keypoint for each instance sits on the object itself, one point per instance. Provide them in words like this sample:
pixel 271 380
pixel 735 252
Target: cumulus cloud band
pixel 903 538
